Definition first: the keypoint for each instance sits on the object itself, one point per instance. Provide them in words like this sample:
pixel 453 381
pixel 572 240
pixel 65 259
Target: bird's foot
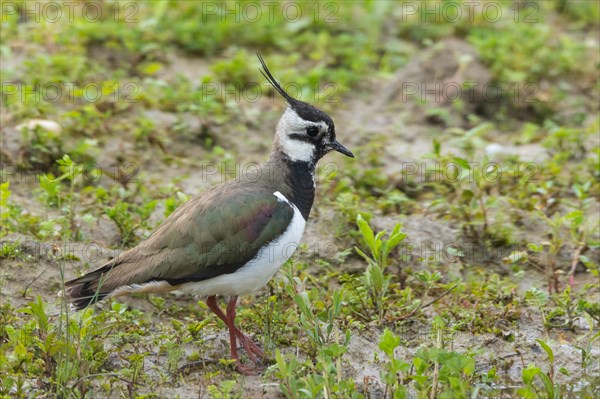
pixel 245 369
pixel 251 348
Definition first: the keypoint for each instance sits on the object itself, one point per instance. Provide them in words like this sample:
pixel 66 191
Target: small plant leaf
pixel 366 231
pixel 388 342
pixel 547 348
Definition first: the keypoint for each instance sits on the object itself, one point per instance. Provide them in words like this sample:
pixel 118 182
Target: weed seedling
pixel 375 279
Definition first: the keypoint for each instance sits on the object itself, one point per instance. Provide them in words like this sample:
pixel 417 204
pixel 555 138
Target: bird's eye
pixel 312 131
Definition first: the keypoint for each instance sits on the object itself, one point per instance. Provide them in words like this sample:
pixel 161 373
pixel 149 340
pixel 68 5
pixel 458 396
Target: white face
pixel 291 125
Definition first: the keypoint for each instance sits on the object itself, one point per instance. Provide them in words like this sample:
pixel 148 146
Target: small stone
pixel 45 124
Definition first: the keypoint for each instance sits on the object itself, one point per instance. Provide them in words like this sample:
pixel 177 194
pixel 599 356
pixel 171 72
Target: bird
pixel 233 238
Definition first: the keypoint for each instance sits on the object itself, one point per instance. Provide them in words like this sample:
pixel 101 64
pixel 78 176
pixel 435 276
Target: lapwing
pixel 233 238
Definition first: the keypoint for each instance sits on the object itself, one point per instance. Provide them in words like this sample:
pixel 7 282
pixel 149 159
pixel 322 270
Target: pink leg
pixel 251 348
pixel 232 336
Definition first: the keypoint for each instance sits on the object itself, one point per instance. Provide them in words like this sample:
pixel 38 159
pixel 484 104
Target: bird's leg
pixel 211 301
pixel 229 320
pixel 233 332
pixel 251 348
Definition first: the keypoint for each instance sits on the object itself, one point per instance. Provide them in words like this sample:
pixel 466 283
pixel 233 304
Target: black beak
pixel 336 145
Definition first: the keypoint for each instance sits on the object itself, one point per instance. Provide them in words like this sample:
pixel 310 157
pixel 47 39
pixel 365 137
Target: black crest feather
pixel 304 110
pixel 267 74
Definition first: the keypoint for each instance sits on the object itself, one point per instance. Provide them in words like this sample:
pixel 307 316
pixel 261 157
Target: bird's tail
pixel 89 289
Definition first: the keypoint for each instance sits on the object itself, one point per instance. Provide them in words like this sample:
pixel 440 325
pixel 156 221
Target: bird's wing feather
pixel 210 235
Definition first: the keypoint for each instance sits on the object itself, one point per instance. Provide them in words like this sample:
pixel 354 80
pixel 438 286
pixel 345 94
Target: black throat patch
pixel 300 178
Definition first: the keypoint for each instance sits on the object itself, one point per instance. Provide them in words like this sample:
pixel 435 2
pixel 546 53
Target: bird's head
pixel 304 132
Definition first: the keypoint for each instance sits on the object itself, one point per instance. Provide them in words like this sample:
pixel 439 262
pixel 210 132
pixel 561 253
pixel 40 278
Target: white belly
pixel 256 273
